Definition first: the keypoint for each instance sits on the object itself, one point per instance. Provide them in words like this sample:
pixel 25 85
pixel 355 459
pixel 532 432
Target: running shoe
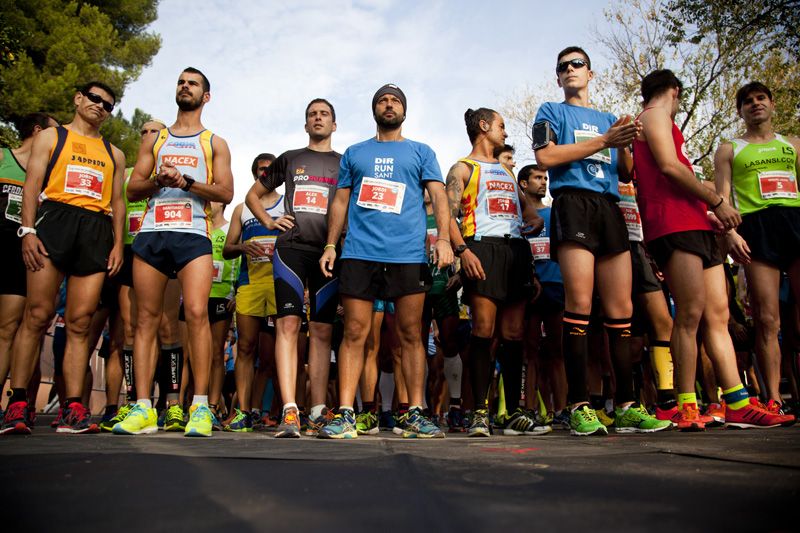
pixel 173 421
pixel 289 428
pixel 420 426
pixel 517 424
pixel 216 425
pixel 119 416
pixel 315 425
pixel 400 421
pixel 304 421
pixel 140 420
pixel 636 419
pixel 343 426
pixel 258 423
pixel 31 415
pixel 242 422
pixel 604 417
pixel 480 424
pixel 55 423
pixel 540 424
pixel 386 422
pixel 107 421
pixel 367 423
pixel 199 424
pixel 777 408
pixel 583 422
pixel 455 420
pixel 162 417
pixel 561 419
pixel 755 415
pixel 270 422
pixel 717 413
pixel 77 419
pixel 688 418
pixel 15 419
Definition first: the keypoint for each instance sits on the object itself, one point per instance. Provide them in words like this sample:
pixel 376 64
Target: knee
pixel 482 327
pixel 688 317
pixel 767 322
pixel 289 325
pixel 355 332
pixel 38 316
pixel 78 325
pixel 195 314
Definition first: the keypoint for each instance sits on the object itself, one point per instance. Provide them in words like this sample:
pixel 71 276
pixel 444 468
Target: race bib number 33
pixel 84 181
pixel 173 214
pixel 381 195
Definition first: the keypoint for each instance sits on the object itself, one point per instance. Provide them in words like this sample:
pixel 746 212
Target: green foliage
pixel 124 133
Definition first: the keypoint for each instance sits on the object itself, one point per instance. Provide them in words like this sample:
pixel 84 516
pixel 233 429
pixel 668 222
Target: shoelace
pixel 18 411
pixel 198 414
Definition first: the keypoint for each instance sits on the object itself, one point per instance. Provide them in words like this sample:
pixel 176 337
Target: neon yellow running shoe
pixel 200 421
pixel 583 422
pixel 174 419
pixel 604 417
pixel 140 421
pixel 636 419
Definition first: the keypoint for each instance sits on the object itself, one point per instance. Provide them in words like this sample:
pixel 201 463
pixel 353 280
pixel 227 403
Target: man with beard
pixel 380 188
pixel 185 169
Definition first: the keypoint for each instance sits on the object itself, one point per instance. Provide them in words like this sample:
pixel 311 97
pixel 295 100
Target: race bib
pixel 218 268
pixel 633 219
pixel 134 222
pixel 501 198
pixel 777 184
pixel 430 239
pixel 603 156
pixel 59 321
pixel 381 195
pixel 267 243
pixel 171 214
pixel 14 208
pixel 310 199
pixel 540 248
pixel 84 181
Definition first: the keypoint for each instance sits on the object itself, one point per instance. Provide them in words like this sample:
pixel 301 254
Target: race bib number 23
pixel 381 195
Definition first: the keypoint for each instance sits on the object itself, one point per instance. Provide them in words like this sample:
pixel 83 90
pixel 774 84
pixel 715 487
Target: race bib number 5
pixel 777 184
pixel 84 181
pixel 310 199
pixel 381 195
pixel 171 214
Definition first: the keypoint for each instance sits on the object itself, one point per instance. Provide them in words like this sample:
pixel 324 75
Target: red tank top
pixel 664 206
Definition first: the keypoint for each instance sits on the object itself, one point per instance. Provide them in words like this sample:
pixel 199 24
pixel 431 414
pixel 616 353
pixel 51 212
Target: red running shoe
pixel 59 418
pixel 15 419
pixel 77 419
pixel 717 413
pixel 686 419
pixel 777 408
pixel 756 415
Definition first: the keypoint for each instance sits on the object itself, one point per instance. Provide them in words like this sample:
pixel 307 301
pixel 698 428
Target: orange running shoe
pixel 756 415
pixel 686 419
pixel 717 413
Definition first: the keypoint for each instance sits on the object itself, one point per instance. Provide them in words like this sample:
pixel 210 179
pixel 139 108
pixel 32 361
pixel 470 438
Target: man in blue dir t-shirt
pixel 381 186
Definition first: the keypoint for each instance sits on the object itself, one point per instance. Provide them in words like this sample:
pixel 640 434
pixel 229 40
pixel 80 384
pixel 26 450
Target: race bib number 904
pixel 381 195
pixel 171 214
pixel 84 181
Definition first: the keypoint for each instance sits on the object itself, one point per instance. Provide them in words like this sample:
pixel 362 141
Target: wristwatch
pixel 24 230
pixel 189 182
pixel 460 249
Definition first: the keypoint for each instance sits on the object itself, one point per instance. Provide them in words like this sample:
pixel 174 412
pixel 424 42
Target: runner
pixel 255 297
pixel 309 176
pixel 762 168
pixel 496 267
pixel 505 155
pixel 79 176
pixel 12 280
pixel 380 189
pixel 679 236
pixel 186 168
pixel 585 152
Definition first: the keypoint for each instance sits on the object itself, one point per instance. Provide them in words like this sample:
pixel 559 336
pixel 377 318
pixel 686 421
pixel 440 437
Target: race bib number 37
pixel 777 184
pixel 381 195
pixel 310 199
pixel 84 181
pixel 170 214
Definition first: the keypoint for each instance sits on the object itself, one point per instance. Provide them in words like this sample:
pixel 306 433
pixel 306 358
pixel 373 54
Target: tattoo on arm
pixel 455 188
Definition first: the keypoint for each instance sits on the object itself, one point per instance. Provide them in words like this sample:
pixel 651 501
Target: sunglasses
pixel 97 99
pixel 574 63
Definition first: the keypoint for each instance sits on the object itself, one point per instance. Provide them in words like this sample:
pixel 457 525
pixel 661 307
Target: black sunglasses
pixel 575 63
pixel 97 99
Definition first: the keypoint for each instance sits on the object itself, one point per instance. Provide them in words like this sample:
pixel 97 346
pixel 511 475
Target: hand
pixel 284 223
pixel 115 260
pixel 532 227
pixel 326 262
pixel 622 132
pixel 728 215
pixel 738 332
pixel 716 225
pixel 453 283
pixel 33 252
pixel 471 265
pixel 253 249
pixel 231 305
pixel 737 247
pixel 537 289
pixel 442 254
pixel 168 175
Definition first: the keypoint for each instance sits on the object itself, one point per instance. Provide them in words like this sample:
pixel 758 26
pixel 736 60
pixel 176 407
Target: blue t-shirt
pixel 386 216
pixel 572 124
pixel 547 269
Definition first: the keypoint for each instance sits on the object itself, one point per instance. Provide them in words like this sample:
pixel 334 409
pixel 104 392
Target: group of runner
pixel 378 232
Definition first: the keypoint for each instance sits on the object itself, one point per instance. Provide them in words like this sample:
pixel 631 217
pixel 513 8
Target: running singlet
pixel 630 210
pixel 134 212
pixel 547 270
pixel 573 124
pixel 12 178
pixel 764 175
pixel 225 270
pixel 490 202
pixel 310 179
pixel 171 209
pixel 80 172
pixel 386 215
pixel 664 206
pixel 259 269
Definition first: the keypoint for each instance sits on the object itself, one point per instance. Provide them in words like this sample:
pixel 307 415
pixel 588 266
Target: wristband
pixel 25 230
pixel 189 182
pixel 329 246
pixel 718 203
pixel 445 240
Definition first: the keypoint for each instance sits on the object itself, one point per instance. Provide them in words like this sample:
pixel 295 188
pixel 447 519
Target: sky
pixel 267 59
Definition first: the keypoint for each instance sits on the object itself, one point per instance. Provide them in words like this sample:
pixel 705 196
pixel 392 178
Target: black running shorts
pixel 773 235
pixel 370 280
pixel 78 241
pixel 697 242
pixel 508 265
pixel 590 219
pixel 644 279
pixel 170 251
pixel 295 269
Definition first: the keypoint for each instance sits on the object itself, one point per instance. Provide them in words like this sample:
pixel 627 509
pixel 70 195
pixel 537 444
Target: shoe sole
pixel 346 435
pixel 539 432
pixel 640 430
pixel 91 429
pixel 415 435
pixel 373 431
pixel 146 431
pixel 742 425
pixel 513 432
pixel 481 433
pixel 397 430
pixel 18 429
pixel 287 435
pixel 599 432
pixel 196 433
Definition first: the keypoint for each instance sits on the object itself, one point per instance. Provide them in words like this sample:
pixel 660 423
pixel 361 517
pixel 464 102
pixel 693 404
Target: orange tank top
pixel 80 172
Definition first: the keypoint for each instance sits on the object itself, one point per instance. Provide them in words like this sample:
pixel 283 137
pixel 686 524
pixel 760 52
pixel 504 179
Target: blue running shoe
pixel 386 421
pixel 343 426
pixel 420 426
pixel 242 422
pixel 455 420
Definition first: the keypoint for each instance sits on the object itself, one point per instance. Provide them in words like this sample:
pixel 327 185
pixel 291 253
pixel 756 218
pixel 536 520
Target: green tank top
pixel 764 175
pixel 225 270
pixel 12 178
pixel 134 212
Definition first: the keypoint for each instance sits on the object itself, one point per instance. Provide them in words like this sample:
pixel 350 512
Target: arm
pixel 233 248
pixel 532 221
pixel 115 258
pixel 336 218
pixel 253 201
pixel 221 190
pixel 620 135
pixel 456 181
pixel 444 252
pixel 32 248
pixel 735 245
pixel 624 165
